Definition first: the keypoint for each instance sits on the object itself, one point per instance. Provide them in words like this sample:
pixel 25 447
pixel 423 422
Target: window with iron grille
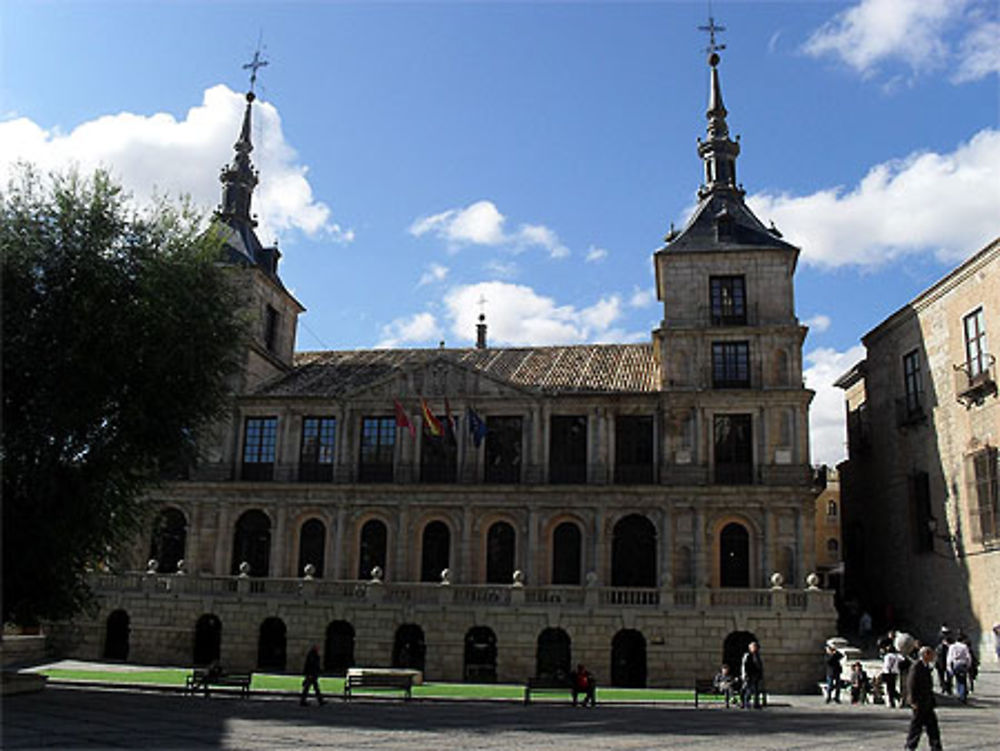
pixel 728 300
pixel 378 443
pixel 503 449
pixel 913 382
pixel 733 449
pixel 271 328
pixel 983 482
pixel 316 455
pixel 730 365
pixel 633 449
pixel 975 342
pixel 260 437
pixel 568 449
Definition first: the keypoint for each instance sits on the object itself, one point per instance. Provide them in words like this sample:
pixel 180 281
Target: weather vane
pixel 712 28
pixel 254 65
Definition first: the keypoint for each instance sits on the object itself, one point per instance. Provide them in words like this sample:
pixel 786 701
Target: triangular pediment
pixel 436 379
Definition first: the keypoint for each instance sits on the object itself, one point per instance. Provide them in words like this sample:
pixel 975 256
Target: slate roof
pixel 747 230
pixel 583 369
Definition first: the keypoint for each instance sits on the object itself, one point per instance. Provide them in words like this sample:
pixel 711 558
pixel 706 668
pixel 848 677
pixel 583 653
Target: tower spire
pixel 718 151
pixel 240 178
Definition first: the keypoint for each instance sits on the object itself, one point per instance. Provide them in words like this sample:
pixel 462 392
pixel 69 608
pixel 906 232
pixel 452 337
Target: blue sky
pixel 415 157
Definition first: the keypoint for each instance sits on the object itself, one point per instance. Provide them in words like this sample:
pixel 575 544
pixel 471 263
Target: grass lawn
pixel 335 686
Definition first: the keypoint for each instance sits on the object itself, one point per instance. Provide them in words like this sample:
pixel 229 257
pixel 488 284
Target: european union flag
pixel 477 427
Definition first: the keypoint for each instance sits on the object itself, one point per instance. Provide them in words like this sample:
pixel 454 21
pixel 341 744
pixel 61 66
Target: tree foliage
pixel 120 332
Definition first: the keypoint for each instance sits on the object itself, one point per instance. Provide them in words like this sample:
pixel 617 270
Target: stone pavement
pixel 76 718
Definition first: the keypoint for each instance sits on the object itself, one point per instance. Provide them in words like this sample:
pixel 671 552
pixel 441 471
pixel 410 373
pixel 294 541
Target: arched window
pixel 832 546
pixel 480 655
pixel 409 649
pixel 207 639
pixel 371 551
pixel 435 551
pixel 831 508
pixel 628 659
pixel 500 540
pixel 633 553
pixel 116 636
pixel 338 652
pixel 734 556
pixel 271 646
pixel 169 539
pixel 566 554
pixel 553 658
pixel 252 543
pixel 312 547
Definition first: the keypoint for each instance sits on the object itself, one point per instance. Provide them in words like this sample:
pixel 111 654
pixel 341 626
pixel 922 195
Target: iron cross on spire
pixel 712 28
pixel 254 65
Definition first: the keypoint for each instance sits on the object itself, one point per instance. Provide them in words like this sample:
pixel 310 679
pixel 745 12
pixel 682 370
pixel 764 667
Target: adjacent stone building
pixel 920 490
pixel 829 565
pixel 494 513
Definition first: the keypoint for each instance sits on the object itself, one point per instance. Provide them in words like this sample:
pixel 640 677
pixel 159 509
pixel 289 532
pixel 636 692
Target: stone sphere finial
pixel 445 577
pixel 591 578
pixel 181 567
pixel 518 578
pixel 812 581
pixel 244 569
pixel 777 580
pixel 152 566
pixel 308 571
pixel 377 574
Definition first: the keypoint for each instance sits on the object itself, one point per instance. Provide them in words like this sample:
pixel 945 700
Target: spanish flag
pixel 431 424
pixel 403 419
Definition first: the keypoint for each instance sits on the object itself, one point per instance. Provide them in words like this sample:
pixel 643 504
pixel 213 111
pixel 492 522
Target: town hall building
pixel 493 513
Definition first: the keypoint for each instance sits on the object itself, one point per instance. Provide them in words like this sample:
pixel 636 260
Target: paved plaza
pixel 77 718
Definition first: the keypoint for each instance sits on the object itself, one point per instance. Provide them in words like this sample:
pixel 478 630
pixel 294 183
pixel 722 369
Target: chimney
pixel 481 332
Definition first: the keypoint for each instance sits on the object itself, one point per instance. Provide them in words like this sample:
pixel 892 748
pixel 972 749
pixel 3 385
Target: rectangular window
pixel 920 506
pixel 634 449
pixel 730 365
pixel 733 450
pixel 503 449
pixel 568 449
pixel 913 382
pixel 316 454
pixel 378 444
pixel 271 329
pixel 975 343
pixel 983 483
pixel 438 454
pixel 260 437
pixel 728 300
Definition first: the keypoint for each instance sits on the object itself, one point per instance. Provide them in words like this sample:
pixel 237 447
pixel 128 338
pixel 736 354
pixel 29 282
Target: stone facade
pixel 621 505
pixel 920 486
pixel 827 526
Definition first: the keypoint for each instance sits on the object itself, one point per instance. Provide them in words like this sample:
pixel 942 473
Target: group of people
pixel 956 664
pixel 748 686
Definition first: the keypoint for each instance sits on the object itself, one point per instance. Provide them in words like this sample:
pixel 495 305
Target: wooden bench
pixel 379 682
pixel 545 684
pixel 703 686
pixel 201 679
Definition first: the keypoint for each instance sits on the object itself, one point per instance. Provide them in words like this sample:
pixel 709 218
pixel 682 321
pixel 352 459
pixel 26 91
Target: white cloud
pixel 435 273
pixel 924 35
pixel 818 323
pixel 827 425
pixel 504 270
pixel 420 328
pixel 160 154
pixel 642 298
pixel 595 254
pixel 945 204
pixel 517 315
pixel 481 223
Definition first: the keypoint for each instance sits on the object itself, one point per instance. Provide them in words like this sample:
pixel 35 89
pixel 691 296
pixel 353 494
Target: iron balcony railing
pixel 976 379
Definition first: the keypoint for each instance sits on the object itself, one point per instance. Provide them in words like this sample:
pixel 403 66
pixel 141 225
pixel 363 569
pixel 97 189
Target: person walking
pixel 582 682
pixel 921 694
pixel 959 662
pixel 833 671
pixel 941 664
pixel 752 673
pixel 890 674
pixel 310 676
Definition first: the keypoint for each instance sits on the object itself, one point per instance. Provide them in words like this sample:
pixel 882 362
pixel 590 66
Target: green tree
pixel 120 332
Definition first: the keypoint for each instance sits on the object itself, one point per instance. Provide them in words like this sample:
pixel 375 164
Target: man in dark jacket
pixel 921 696
pixel 752 673
pixel 310 673
pixel 833 671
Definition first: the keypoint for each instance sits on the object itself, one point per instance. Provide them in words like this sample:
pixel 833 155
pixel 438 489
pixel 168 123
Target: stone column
pixel 799 574
pixel 224 540
pixel 339 540
pixel 766 559
pixel 192 545
pixel 600 549
pixel 465 573
pixel 701 574
pixel 530 553
pixel 279 561
pixel 666 546
pixel 543 469
pixel 401 543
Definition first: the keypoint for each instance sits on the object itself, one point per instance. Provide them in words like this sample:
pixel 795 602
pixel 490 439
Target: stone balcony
pixel 459 595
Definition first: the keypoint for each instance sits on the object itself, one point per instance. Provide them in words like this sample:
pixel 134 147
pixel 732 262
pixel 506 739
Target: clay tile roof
pixel 586 368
